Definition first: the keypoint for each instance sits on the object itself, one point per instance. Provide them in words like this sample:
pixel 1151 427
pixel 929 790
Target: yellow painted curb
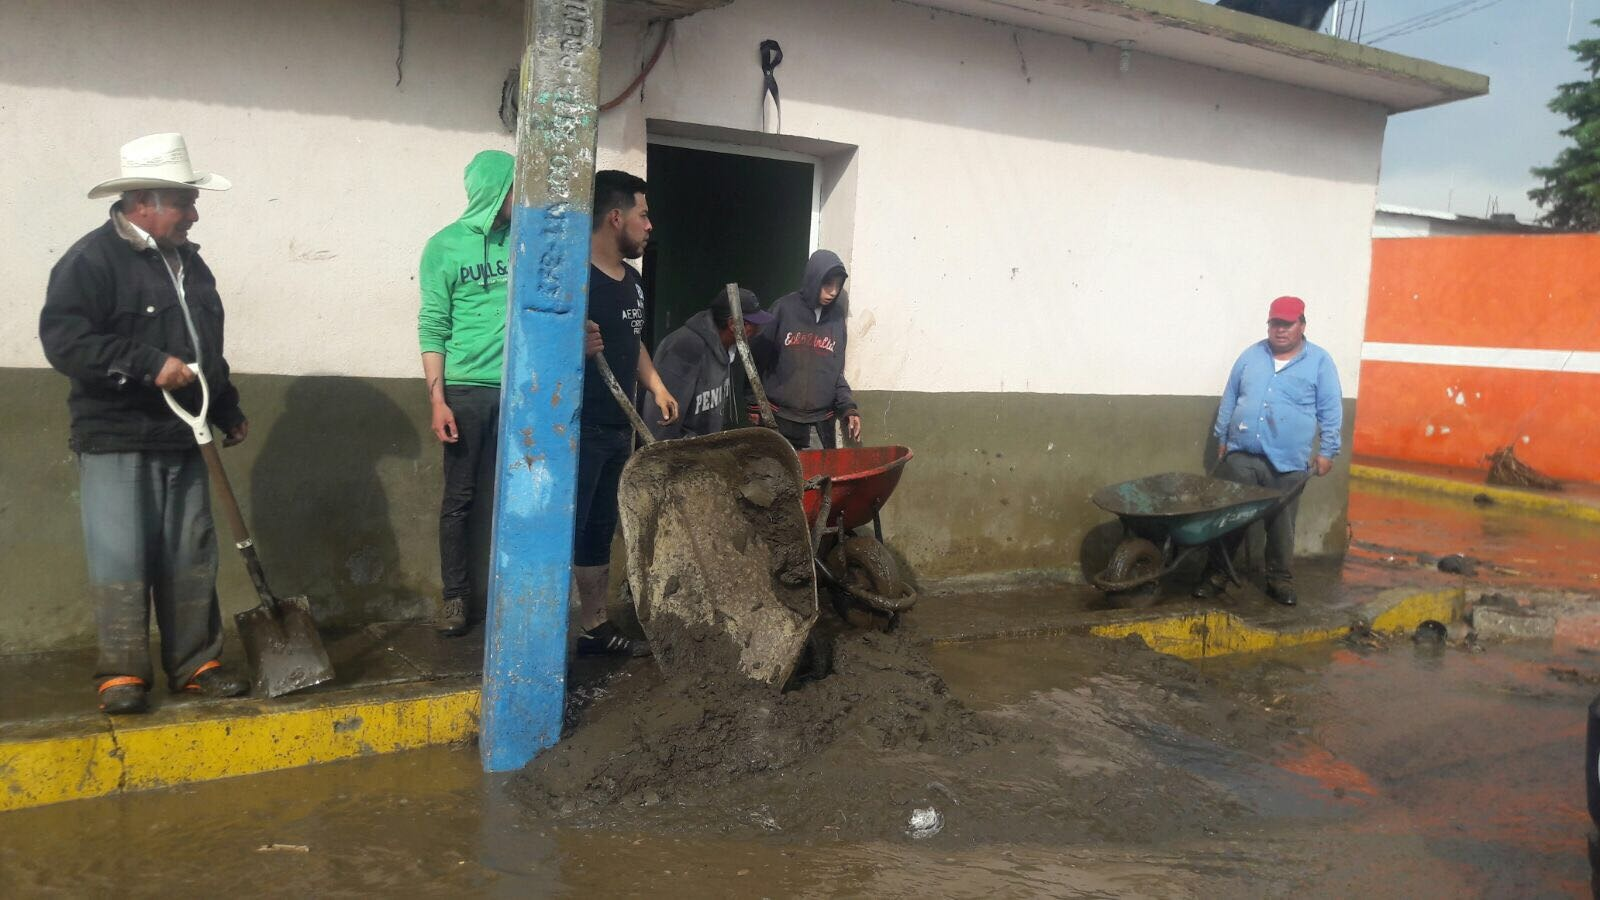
pixel 202 747
pixel 1526 500
pixel 1202 634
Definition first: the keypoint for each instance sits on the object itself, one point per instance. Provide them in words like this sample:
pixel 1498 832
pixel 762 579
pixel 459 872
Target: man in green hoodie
pixel 461 328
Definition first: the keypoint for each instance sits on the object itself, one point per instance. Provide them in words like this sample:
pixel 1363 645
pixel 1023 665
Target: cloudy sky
pixel 1463 156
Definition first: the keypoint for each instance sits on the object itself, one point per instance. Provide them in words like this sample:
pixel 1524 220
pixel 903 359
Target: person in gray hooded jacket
pixel 695 363
pixel 803 356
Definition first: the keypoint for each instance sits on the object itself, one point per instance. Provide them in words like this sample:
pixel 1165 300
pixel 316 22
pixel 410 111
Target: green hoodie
pixel 463 275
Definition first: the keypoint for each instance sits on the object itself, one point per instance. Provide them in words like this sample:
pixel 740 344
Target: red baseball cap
pixel 1287 309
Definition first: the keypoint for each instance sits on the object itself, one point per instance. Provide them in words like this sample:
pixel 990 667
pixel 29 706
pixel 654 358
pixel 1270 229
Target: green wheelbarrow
pixel 1166 518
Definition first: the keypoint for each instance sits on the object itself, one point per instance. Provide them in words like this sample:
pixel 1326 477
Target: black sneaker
pixel 605 640
pixel 452 620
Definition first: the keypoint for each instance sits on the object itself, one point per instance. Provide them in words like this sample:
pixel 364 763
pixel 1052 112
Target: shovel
pixel 718 550
pixel 280 636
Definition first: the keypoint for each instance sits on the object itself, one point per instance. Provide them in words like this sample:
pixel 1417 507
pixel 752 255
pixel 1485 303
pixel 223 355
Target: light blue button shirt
pixel 1277 414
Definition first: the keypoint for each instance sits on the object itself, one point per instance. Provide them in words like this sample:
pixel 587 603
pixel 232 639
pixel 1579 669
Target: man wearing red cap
pixel 1282 396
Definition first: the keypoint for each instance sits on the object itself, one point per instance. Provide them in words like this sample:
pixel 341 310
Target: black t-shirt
pixel 618 307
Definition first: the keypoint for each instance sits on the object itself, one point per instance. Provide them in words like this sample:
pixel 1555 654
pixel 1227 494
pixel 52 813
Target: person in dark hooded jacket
pixel 695 362
pixel 803 356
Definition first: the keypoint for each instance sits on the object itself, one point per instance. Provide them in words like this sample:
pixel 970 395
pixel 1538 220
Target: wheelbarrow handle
pixel 623 400
pixel 736 313
pixel 1294 492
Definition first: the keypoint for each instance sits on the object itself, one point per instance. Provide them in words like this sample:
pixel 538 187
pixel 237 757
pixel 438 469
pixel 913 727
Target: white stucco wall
pixel 1025 218
pixel 339 175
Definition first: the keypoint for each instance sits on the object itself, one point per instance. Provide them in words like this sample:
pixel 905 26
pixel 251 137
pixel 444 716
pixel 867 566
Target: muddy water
pixel 1396 772
pixel 1523 550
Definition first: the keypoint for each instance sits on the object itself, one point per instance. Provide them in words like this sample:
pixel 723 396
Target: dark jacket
pixel 694 366
pixel 111 318
pixel 802 357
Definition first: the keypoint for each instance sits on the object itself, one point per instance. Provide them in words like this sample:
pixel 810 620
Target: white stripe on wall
pixel 1578 361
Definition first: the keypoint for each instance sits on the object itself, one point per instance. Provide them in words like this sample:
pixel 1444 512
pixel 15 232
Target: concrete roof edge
pixel 1512 224
pixel 1422 83
pixel 1450 82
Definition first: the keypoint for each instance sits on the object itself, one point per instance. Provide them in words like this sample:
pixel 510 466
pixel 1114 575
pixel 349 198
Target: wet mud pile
pixel 882 749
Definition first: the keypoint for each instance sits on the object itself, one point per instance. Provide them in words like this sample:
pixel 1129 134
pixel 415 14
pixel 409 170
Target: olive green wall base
pixel 340 480
pixel 1002 481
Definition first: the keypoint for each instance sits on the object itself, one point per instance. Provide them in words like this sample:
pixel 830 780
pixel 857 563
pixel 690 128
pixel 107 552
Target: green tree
pixel 1570 196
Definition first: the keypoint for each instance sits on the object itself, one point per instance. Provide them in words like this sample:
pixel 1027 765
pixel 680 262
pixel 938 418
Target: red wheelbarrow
pixel 845 489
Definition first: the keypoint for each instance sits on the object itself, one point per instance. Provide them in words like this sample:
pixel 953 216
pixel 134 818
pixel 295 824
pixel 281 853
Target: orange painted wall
pixel 1530 292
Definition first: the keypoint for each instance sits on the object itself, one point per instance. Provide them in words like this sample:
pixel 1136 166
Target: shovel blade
pixel 284 650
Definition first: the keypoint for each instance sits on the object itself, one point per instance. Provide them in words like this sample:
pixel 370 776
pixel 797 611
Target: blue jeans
pixel 149 539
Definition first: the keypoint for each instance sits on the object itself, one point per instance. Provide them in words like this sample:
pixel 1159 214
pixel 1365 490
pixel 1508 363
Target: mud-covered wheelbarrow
pixel 846 488
pixel 1167 517
pixel 718 551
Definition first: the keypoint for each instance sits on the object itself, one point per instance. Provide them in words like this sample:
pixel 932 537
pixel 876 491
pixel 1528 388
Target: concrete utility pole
pixel 525 665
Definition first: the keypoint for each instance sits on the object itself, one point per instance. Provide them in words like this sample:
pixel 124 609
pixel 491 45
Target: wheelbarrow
pixel 1166 518
pixel 718 551
pixel 845 489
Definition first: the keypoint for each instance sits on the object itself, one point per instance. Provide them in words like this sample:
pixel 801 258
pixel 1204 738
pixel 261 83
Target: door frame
pixel 735 149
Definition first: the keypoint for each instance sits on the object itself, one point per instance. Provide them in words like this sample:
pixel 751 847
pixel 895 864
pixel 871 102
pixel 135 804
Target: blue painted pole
pixel 525 664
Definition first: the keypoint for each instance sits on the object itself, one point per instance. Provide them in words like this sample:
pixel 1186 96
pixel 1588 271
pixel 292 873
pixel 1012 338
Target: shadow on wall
pixel 318 504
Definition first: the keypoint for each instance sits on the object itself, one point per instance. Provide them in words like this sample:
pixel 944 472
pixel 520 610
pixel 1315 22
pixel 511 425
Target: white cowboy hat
pixel 158 161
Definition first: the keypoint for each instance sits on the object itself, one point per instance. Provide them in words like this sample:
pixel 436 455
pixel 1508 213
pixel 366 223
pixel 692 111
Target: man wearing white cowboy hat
pixel 127 309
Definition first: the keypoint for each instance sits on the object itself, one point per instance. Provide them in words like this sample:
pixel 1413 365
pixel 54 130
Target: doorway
pixel 724 212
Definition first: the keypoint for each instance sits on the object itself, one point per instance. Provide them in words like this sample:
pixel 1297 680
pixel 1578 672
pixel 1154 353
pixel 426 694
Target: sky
pixel 1465 156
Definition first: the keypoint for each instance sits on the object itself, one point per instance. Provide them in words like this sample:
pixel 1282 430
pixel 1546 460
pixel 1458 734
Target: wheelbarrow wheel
pixel 1130 577
pixel 868 573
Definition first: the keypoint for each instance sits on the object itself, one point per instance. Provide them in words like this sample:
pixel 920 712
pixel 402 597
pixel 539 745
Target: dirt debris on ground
pixel 1110 755
pixel 1506 469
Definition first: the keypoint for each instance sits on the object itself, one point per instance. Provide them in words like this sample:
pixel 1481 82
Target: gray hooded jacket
pixel 694 366
pixel 803 356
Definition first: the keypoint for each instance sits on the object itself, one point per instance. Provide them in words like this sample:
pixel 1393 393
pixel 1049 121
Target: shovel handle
pixel 224 492
pixel 223 488
pixel 623 400
pixel 736 312
pixel 195 421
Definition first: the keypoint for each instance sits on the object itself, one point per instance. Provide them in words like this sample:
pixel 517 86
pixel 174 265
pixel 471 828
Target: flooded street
pixel 1403 770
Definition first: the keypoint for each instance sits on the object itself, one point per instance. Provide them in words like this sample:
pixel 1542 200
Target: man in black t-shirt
pixel 620 231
